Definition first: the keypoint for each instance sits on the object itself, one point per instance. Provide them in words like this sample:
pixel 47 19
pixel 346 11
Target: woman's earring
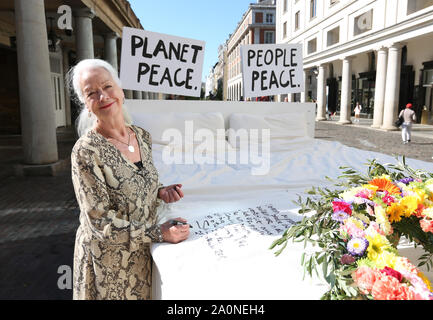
pixel 90 113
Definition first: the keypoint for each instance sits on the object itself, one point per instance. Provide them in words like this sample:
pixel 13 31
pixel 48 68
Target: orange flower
pixel 395 211
pixel 385 185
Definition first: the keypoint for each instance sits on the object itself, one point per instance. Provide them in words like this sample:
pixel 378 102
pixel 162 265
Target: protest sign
pixel 163 63
pixel 272 69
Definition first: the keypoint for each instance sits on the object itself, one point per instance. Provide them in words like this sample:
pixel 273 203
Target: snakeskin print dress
pixel 118 202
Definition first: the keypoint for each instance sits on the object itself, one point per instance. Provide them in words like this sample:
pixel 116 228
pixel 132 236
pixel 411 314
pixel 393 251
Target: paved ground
pixel 362 136
pixel 39 215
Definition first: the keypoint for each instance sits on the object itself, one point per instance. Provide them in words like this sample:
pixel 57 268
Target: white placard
pixel 270 69
pixel 163 63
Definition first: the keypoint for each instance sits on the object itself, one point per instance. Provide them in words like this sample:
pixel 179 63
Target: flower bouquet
pixel 357 228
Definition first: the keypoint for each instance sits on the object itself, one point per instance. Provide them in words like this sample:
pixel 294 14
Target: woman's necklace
pixel 130 147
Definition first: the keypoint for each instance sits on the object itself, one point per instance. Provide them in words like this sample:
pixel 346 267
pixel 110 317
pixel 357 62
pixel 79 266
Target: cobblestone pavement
pixel 39 215
pixel 38 221
pixel 362 136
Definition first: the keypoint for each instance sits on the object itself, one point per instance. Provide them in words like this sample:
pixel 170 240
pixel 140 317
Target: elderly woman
pixel 118 191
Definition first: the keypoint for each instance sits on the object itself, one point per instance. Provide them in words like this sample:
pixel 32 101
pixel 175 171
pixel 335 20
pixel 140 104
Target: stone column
pixel 128 94
pixel 346 91
pixel 38 124
pixel 84 33
pixel 136 95
pixel 379 94
pixel 110 49
pixel 304 94
pixel 290 97
pixel 65 88
pixel 321 93
pixel 392 90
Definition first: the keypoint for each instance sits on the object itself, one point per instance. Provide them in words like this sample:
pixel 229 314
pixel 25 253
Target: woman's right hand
pixel 175 233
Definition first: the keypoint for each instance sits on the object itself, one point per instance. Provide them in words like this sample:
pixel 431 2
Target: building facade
pixel 257 26
pixel 375 52
pixel 39 42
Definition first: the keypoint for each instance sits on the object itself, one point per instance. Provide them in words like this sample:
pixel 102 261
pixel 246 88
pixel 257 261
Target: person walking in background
pixel 409 117
pixel 357 110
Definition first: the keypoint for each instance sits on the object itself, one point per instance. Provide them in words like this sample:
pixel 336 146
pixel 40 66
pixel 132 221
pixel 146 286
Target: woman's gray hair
pixel 86 120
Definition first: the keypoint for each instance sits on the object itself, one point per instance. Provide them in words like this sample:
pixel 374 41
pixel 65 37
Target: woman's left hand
pixel 175 233
pixel 171 193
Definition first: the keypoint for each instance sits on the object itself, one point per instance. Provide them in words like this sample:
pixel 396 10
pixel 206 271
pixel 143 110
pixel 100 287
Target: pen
pixel 177 222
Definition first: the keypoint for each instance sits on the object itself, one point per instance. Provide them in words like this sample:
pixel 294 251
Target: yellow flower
pixel 376 245
pixel 395 211
pixel 409 205
pixel 382 220
pixel 371 187
pixel 420 194
pixel 385 259
pixel 425 279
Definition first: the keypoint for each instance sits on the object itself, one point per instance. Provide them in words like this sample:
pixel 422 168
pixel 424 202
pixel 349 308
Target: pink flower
pixel 426 225
pixel 341 206
pixel 365 193
pixel 352 230
pixel 365 278
pixel 376 228
pixel 389 288
pixel 419 288
pixel 388 199
pixel 406 266
pixel 393 273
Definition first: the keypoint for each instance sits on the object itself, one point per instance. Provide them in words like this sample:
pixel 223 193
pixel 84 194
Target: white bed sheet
pixel 191 270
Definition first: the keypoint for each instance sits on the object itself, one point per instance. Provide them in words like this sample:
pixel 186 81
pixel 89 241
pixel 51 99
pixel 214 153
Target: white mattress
pixel 232 260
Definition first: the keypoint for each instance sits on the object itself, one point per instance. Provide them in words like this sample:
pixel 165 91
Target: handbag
pixel 399 122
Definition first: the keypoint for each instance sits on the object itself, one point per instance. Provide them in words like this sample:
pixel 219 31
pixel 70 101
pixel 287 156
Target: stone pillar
pixel 84 33
pixel 392 90
pixel 304 94
pixel 110 49
pixel 38 124
pixel 379 94
pixel 290 97
pixel 136 95
pixel 128 94
pixel 65 87
pixel 321 93
pixel 346 91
